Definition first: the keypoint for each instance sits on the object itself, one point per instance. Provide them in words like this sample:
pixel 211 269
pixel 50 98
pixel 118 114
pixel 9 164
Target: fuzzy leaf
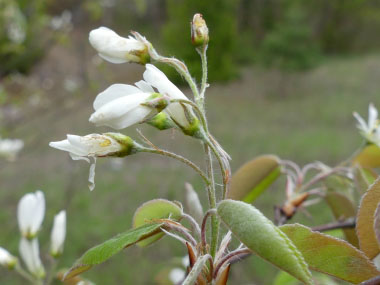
pixel 364 177
pixel 153 210
pixel 330 255
pixel 376 224
pixel 106 250
pixel 365 221
pixel 193 203
pixel 368 157
pixel 250 180
pixel 260 235
pixel 343 208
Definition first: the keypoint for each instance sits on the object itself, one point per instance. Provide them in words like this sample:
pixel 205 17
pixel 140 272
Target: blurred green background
pixel 285 77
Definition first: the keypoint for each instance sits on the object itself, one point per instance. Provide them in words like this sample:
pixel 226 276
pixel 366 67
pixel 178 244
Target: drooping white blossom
pixel 7 259
pixel 177 275
pixel 117 49
pixel 30 254
pixel 93 146
pixel 120 106
pixel 30 213
pixel 58 234
pixel 369 130
pixel 9 148
pixel 156 78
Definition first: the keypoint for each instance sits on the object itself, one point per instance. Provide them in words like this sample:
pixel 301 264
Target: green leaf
pixel 330 255
pixel 376 224
pixel 365 221
pixel 254 177
pixel 343 208
pixel 369 157
pixel 106 250
pixel 364 177
pixel 260 235
pixel 154 210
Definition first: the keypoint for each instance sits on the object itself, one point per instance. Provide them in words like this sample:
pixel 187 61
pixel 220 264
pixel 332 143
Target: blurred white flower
pixel 185 261
pixel 120 106
pixel 7 259
pixel 30 213
pixel 9 148
pixel 156 78
pixel 177 275
pixel 62 21
pixel 371 130
pixel 58 234
pixel 117 49
pixel 92 146
pixel 16 23
pixel 30 254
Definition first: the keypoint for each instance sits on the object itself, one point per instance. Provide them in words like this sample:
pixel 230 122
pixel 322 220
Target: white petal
pixel 5 257
pixel 362 124
pixel 39 212
pixel 113 92
pixel 109 114
pixel 30 213
pixel 372 116
pixel 158 79
pixel 58 233
pixel 29 251
pixel 91 177
pixel 134 116
pixel 145 87
pixel 114 60
pixel 65 145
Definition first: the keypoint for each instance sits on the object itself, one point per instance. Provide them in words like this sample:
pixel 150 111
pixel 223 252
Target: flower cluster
pixel 154 100
pixel 371 130
pixel 30 215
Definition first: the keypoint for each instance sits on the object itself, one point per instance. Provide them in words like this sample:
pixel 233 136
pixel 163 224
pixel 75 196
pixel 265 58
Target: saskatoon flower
pixel 371 130
pixel 93 146
pixel 7 259
pixel 58 234
pixel 30 214
pixel 116 49
pixel 9 148
pixel 30 254
pixel 121 106
pixel 156 78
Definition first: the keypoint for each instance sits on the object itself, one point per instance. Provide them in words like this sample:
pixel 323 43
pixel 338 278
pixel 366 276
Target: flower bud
pixel 121 106
pixel 30 254
pixel 9 148
pixel 58 234
pixel 117 49
pixel 95 145
pixel 30 214
pixel 199 31
pixel 7 259
pixel 161 121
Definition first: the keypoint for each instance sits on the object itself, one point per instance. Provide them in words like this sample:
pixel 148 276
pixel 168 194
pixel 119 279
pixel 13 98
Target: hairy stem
pixel 180 158
pixel 349 223
pixel 212 202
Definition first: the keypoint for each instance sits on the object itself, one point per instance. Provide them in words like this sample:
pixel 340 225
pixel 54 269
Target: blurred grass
pixel 299 116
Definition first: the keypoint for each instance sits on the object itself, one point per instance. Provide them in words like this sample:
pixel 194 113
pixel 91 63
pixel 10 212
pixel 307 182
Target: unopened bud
pixel 199 31
pixel 7 259
pixel 161 121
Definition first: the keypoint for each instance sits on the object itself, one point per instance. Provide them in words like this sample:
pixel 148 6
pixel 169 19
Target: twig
pixel 349 223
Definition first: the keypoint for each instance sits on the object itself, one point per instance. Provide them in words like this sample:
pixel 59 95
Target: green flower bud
pixel 199 31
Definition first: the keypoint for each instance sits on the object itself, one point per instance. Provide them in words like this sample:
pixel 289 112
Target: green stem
pixel 196 108
pixel 25 274
pixel 180 158
pixel 52 269
pixel 202 53
pixel 212 202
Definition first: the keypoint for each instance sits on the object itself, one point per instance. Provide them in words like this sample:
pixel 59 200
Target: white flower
pixel 92 146
pixel 7 259
pixel 58 234
pixel 30 213
pixel 177 275
pixel 371 130
pixel 9 148
pixel 116 49
pixel 119 106
pixel 156 78
pixel 30 254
